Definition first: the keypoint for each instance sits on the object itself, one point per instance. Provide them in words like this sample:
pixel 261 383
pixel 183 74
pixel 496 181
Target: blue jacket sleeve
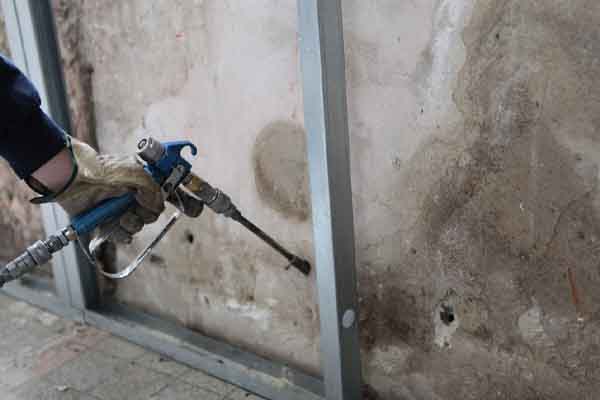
pixel 28 137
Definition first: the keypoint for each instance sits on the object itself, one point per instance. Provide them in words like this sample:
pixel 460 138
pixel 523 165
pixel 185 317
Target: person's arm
pixel 54 174
pixel 28 137
pixel 61 168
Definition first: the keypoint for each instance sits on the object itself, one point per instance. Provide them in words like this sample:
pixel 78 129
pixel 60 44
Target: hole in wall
pixel 156 259
pixel 447 314
pixel 189 237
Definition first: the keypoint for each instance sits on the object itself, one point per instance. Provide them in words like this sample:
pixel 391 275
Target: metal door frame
pixel 321 45
pixel 32 38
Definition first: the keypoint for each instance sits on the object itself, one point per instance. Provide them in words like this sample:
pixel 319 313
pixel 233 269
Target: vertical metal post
pixel 34 48
pixel 325 117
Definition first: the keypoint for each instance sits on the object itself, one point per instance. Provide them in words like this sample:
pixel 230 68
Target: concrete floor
pixel 45 357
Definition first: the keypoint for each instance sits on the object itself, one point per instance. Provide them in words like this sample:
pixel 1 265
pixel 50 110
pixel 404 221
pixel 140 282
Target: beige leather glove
pixel 99 177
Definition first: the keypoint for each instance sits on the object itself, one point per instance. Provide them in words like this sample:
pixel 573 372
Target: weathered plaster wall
pixel 474 163
pixel 224 75
pixel 475 172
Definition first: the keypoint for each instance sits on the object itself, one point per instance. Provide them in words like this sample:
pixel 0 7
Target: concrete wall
pixel 474 164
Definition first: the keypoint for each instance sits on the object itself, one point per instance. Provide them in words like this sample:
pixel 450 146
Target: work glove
pixel 99 177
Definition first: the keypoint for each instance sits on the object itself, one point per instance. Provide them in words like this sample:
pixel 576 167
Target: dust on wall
pixel 474 165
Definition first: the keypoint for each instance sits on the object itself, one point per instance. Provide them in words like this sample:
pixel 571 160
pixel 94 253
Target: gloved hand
pixel 99 177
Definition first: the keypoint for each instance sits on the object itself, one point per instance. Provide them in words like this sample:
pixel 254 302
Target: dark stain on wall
pixel 503 219
pixel 280 169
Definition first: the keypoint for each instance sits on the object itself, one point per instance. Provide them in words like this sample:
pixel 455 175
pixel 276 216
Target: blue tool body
pixel 171 158
pixel 114 208
pixel 106 211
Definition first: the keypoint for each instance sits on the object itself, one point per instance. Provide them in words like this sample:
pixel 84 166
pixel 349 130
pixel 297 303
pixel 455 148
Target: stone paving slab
pixel 34 361
pixel 207 382
pixel 184 391
pixel 117 347
pixel 32 344
pixel 131 382
pixel 86 372
pixel 240 394
pixel 41 389
pixel 163 364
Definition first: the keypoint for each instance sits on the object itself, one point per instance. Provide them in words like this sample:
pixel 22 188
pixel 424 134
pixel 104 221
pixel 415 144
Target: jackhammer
pixel 164 162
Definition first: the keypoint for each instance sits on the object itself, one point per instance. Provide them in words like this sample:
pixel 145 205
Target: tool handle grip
pixel 103 212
